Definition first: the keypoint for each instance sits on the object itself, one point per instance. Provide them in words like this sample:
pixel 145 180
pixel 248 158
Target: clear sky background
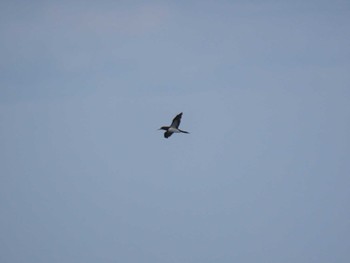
pixel 264 175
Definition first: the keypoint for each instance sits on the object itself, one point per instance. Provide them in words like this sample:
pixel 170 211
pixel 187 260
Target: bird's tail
pixel 183 131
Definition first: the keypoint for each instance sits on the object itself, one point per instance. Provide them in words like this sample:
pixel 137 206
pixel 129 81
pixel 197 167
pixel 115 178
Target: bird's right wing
pixel 167 134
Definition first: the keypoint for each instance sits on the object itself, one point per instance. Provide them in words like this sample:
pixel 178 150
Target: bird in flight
pixel 174 127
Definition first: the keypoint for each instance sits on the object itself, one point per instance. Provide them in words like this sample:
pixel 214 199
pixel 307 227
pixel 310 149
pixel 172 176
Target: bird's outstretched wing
pixel 167 134
pixel 176 121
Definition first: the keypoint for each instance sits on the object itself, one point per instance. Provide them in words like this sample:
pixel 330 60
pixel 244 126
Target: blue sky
pixel 86 177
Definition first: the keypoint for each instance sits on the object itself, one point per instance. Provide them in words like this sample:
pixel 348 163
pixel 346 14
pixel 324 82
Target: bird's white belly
pixel 173 130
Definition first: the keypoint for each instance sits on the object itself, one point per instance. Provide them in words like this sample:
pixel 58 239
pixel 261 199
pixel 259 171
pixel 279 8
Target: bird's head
pixel 163 128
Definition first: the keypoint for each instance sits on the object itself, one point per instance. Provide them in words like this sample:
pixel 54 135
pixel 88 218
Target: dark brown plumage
pixel 174 127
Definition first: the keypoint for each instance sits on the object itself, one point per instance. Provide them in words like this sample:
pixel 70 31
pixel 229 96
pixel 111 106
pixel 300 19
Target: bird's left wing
pixel 176 121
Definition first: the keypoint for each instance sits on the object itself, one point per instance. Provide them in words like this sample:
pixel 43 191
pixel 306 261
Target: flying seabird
pixel 174 127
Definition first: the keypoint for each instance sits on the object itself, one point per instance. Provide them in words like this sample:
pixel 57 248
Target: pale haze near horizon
pixel 263 175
